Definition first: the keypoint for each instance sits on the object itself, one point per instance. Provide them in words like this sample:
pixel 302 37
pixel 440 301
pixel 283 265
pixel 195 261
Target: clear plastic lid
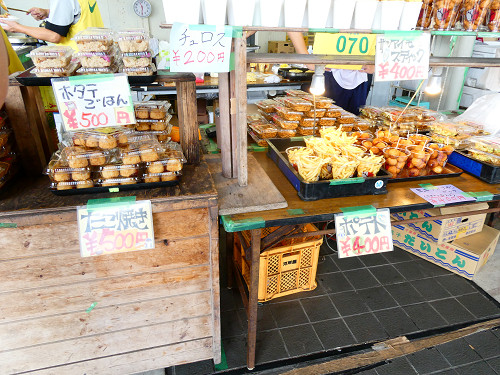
pixel 295 92
pixel 68 185
pixel 309 122
pixel 104 138
pixel 79 157
pixel 285 124
pixel 52 52
pixel 321 101
pixel 97 59
pixel 267 105
pixel 56 72
pixel 139 70
pixel 298 104
pixel 490 144
pixel 167 164
pixel 161 177
pixel 307 130
pixel 119 170
pixel 256 119
pixel 98 70
pixel 132 34
pixel 289 114
pixel 452 129
pixel 483 156
pixel 333 111
pixel 154 110
pixel 318 112
pixel 137 55
pixel 286 133
pixel 143 151
pixel 93 34
pixel 264 130
pixel 59 171
pixel 118 181
pixel 370 112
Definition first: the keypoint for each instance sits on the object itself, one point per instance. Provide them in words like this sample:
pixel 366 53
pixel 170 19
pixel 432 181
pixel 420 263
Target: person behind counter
pixel 349 88
pixel 64 19
pixel 4 71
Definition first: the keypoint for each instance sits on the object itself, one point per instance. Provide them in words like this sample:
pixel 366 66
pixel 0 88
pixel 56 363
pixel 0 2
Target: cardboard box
pixel 280 47
pixel 464 256
pixel 448 229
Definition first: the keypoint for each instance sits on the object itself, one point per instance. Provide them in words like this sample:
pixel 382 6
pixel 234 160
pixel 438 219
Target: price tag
pixel 402 56
pixel 115 226
pixel 363 233
pixel 94 101
pixel 200 48
pixel 344 44
pixel 443 194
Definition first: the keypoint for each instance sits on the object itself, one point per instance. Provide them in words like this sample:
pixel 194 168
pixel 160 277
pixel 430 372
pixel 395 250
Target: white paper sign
pixel 402 56
pixel 94 101
pixel 442 194
pixel 200 48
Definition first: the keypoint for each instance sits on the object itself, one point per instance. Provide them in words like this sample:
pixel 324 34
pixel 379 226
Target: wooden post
pixel 234 140
pixel 188 125
pixel 240 55
pixel 253 298
pixel 50 143
pixel 225 126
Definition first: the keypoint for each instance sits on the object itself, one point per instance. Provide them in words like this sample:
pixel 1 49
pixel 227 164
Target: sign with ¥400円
pixel 94 101
pixel 363 232
pixel 402 56
pixel 200 48
pixel 344 44
pixel 115 227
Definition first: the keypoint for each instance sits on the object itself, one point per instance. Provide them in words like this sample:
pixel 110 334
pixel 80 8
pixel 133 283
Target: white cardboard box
pixel 448 229
pixel 464 256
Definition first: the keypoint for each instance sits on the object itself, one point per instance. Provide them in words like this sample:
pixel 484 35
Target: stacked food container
pixel 53 61
pixel 134 50
pixel 97 53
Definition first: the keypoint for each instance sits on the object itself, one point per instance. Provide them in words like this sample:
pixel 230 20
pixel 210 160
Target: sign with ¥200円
pixel 363 231
pixel 94 101
pixel 115 226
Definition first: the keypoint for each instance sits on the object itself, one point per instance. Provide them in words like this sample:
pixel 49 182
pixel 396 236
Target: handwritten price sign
pixel 200 48
pixel 443 194
pixel 89 102
pixel 362 233
pixel 115 228
pixel 402 57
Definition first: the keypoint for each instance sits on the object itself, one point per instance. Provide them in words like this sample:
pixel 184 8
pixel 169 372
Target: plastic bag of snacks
pixel 473 13
pixel 445 14
pixel 425 17
pixel 494 16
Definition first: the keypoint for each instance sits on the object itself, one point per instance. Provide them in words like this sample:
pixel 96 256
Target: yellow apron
pixel 15 64
pixel 90 16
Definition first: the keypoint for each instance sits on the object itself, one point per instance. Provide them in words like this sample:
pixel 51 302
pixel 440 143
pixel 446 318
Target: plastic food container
pixel 264 130
pixel 56 72
pixel 133 40
pixel 417 161
pixel 51 56
pixel 453 129
pixel 94 39
pixel 334 111
pixel 307 130
pixel 318 113
pixel 98 70
pixel 137 59
pixel 104 140
pixel 256 118
pixel 267 116
pixel 118 171
pixel 68 185
pixel 395 159
pixel 345 118
pixel 59 171
pixel 445 14
pixel 369 166
pixel 390 15
pixel 141 152
pixel 285 124
pixel 175 11
pixel 289 114
pixel 328 121
pixel 154 110
pixel 370 112
pixel 267 105
pixel 118 181
pixel 425 16
pixel 343 11
pixel 485 157
pixel 438 158
pixel 321 102
pixel 298 93
pixel 294 12
pixel 494 16
pixel 139 71
pixel 79 157
pixel 486 144
pixel 364 12
pixel 173 163
pixel 474 13
pixel 318 12
pixel 240 13
pixel 96 59
pixel 298 104
pixel 155 125
pixel 456 142
pixel 286 133
pixel 308 122
pixel 161 177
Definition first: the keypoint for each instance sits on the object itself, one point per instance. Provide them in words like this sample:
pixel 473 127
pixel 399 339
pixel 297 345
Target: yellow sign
pixel 345 45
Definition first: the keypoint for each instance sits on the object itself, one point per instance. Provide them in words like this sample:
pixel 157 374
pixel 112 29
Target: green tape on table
pixel 348 181
pixel 240 225
pixel 256 148
pixel 97 204
pixel 483 196
pixel 114 190
pixel 91 307
pixel 327 31
pixel 77 80
pixel 358 211
pixel 296 139
pixel 428 186
pixel 295 211
pixel 467 195
pixel 439 205
pixel 8 225
pixel 407 35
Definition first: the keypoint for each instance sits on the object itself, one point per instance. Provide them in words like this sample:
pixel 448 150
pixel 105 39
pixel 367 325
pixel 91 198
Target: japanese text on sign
pixel 443 194
pixel 400 58
pixel 91 102
pixel 345 44
pixel 200 48
pixel 115 229
pixel 364 233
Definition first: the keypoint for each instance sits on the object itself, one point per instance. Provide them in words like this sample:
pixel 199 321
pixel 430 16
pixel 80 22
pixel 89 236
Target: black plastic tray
pixel 106 189
pixel 487 172
pixel 448 171
pixel 26 78
pixel 310 191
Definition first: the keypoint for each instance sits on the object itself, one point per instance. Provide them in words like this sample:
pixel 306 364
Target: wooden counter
pixel 153 308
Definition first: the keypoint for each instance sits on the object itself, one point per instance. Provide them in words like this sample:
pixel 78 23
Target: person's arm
pixel 36 32
pixel 4 71
pixel 38 13
pixel 299 43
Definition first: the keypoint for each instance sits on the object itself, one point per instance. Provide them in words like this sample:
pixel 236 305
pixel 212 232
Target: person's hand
pixel 10 26
pixel 311 67
pixel 370 69
pixel 38 13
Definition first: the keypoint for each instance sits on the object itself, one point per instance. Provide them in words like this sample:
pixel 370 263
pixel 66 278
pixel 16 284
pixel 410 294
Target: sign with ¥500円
pixel 115 228
pixel 402 56
pixel 200 48
pixel 94 101
pixel 362 233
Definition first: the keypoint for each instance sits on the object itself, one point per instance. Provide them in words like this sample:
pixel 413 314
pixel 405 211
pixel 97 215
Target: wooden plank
pixel 224 136
pixel 80 324
pixel 240 57
pixel 140 361
pixel 234 199
pixel 214 261
pixel 188 125
pixel 69 268
pixel 167 76
pixel 109 344
pixel 27 136
pixel 29 304
pixel 48 136
pixel 233 117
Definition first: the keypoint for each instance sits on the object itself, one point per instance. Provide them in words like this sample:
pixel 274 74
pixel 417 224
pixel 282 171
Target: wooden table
pixel 154 308
pixel 399 198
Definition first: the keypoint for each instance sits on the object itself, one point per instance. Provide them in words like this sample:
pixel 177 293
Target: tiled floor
pixel 359 301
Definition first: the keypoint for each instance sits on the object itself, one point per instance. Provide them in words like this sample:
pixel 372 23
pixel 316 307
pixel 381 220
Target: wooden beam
pixel 240 56
pixel 188 124
pixel 224 136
